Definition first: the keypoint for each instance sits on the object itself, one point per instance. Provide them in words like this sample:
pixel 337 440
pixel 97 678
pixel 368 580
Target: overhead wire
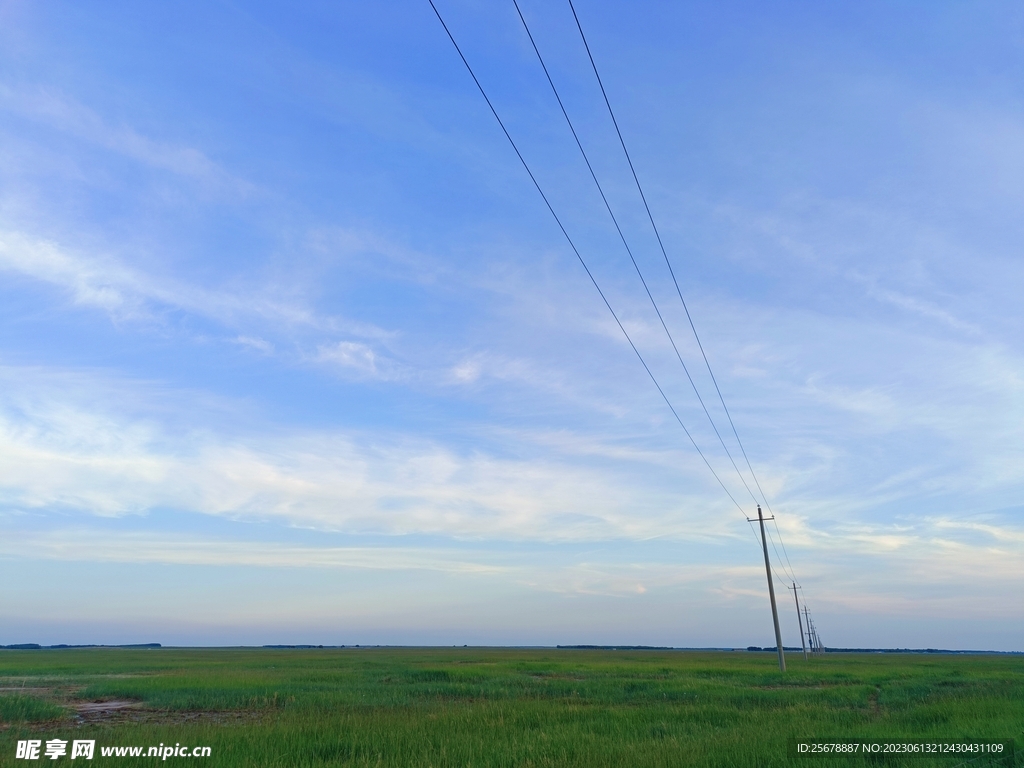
pixel 636 266
pixel 629 251
pixel 789 570
pixel 579 256
pixel 783 543
pixel 668 263
pixel 593 280
pixel 757 538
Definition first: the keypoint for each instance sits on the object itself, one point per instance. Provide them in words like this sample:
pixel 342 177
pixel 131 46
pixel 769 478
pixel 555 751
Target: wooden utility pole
pixel 799 621
pixel 771 590
pixel 810 637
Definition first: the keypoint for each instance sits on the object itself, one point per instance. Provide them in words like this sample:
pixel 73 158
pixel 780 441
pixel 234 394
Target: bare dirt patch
pixel 90 708
pixel 120 712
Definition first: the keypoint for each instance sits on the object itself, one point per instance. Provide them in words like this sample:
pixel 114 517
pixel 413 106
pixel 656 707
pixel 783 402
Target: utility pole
pixel 799 621
pixel 771 590
pixel 810 637
pixel 812 634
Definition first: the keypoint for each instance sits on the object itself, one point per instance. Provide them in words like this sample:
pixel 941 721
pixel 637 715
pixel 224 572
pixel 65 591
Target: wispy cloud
pixel 256 343
pixel 358 358
pixel 100 283
pixel 107 284
pixel 913 304
pixel 84 544
pixel 61 454
pixel 559 572
pixel 63 113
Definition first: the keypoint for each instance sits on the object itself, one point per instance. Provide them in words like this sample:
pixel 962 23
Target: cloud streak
pixel 57 454
pixel 57 111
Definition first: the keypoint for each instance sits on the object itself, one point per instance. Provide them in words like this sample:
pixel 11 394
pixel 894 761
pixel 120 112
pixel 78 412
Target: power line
pixel 778 555
pixel 636 266
pixel 783 543
pixel 604 298
pixel 625 244
pixel 758 540
pixel 572 245
pixel 788 570
pixel 668 263
pixel 661 244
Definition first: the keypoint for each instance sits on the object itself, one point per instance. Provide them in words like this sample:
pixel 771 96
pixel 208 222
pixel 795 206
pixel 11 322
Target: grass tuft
pixel 19 708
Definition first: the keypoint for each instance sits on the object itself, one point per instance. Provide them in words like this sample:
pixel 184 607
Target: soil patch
pixel 99 707
pixel 117 712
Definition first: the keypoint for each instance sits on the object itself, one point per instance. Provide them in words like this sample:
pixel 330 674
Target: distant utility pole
pixel 812 634
pixel 771 590
pixel 810 637
pixel 799 621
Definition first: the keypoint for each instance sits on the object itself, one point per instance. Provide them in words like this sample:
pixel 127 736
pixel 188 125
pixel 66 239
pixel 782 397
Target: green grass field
pixel 500 707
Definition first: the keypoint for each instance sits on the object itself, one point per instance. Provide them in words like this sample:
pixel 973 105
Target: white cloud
pixel 125 293
pixel 1002 533
pixel 467 372
pixel 255 342
pixel 84 544
pixel 91 282
pixel 56 452
pixel 65 114
pixel 560 572
pixel 356 356
pixel 913 304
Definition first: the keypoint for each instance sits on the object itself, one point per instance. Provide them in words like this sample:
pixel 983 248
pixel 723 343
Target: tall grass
pixel 507 707
pixel 20 708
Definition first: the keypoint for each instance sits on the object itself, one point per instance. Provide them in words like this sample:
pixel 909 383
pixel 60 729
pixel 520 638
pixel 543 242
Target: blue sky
pixel 291 350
